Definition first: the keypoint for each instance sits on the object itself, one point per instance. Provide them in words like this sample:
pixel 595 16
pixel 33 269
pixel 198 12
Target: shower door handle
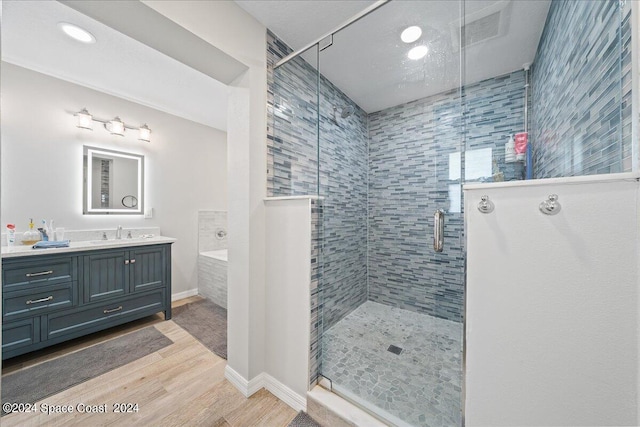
pixel 438 230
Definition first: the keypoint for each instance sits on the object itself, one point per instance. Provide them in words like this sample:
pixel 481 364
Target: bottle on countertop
pixel 11 234
pixel 510 151
pixel 44 230
pixel 31 236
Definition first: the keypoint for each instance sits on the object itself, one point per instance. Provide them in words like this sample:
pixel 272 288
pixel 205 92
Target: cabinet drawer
pixel 21 333
pixel 37 300
pixel 93 318
pixel 37 272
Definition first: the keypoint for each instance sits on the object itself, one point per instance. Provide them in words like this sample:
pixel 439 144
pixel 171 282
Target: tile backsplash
pixel 212 230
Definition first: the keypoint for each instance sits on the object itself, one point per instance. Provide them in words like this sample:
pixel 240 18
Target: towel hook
pixel 551 206
pixel 486 206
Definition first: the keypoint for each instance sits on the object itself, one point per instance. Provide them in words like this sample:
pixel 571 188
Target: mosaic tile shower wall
pixel 415 167
pixel 583 62
pixel 292 153
pixel 408 171
pixel 315 348
pixel 292 115
pixel 343 183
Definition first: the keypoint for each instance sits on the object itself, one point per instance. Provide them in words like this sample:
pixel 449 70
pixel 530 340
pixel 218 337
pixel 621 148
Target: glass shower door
pixel 391 156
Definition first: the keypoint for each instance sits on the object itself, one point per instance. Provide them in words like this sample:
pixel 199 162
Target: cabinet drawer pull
pixel 133 261
pixel 126 262
pixel 42 273
pixel 49 298
pixel 113 310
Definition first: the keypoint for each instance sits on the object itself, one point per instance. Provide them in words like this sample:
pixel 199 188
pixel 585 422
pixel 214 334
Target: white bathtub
pixel 220 254
pixel 212 276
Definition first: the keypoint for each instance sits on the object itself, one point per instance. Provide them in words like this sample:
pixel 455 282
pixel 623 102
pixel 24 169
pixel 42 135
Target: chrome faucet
pixel 119 232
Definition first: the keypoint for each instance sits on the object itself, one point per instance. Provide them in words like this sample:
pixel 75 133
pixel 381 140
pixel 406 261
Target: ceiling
pixel 300 22
pixel 116 64
pixel 369 63
pixel 367 59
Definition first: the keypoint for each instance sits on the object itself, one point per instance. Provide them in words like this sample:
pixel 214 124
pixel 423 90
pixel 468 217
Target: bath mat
pixel 303 420
pixel 206 321
pixel 46 379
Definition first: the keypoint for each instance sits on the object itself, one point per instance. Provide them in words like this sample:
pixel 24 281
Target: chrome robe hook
pixel 551 206
pixel 486 206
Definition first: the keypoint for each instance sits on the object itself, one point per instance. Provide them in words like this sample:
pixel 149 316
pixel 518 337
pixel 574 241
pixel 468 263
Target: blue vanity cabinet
pixel 104 275
pixel 48 299
pixel 147 268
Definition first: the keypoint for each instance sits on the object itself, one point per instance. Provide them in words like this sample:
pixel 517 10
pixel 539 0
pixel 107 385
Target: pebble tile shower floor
pixel 421 385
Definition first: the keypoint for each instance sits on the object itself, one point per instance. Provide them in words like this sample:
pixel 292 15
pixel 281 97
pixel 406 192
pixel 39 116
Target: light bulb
pixel 116 127
pixel 418 52
pixel 145 133
pixel 85 120
pixel 77 33
pixel 411 34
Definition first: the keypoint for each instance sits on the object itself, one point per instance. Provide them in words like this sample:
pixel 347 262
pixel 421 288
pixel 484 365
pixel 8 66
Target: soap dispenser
pixel 31 236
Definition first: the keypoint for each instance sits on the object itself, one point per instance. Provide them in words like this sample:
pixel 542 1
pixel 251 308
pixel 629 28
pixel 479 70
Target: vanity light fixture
pixel 77 33
pixel 145 133
pixel 115 126
pixel 411 34
pixel 85 120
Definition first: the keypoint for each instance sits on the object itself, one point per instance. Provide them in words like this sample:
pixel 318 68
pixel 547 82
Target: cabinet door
pixel 147 268
pixel 16 335
pixel 105 275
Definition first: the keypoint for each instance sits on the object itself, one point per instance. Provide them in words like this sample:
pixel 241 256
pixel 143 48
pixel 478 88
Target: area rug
pixel 48 378
pixel 303 420
pixel 207 322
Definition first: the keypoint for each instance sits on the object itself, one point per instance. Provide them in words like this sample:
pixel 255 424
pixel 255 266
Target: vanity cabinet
pixel 48 299
pixel 116 273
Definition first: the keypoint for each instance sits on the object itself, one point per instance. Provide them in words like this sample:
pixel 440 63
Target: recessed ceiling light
pixel 411 34
pixel 418 52
pixel 77 33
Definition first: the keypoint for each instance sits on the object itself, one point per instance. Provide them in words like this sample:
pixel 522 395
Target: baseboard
pixel 284 393
pixel 281 391
pixel 185 294
pixel 247 388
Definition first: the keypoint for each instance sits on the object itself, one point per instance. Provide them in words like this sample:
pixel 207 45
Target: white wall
pixel 185 163
pixel 226 26
pixel 288 299
pixel 552 305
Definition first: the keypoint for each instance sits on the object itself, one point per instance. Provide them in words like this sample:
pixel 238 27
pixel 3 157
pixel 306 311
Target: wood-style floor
pixel 182 384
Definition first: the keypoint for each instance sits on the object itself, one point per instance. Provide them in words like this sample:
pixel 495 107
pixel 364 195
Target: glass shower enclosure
pixel 390 175
pixel 383 126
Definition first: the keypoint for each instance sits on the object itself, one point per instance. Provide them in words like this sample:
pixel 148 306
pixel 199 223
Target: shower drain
pixel 395 350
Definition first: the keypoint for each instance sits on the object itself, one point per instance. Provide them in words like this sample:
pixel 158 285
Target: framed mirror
pixel 113 182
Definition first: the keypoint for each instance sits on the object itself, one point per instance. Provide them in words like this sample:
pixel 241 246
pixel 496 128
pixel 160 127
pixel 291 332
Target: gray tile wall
pixel 582 90
pixel 315 349
pixel 399 159
pixel 212 279
pixel 209 224
pixel 292 117
pixel 409 178
pixel 408 181
pixel 494 110
pixel 293 158
pixel 343 184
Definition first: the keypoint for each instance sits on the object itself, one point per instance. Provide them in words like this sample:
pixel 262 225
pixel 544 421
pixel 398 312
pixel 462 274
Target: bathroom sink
pixel 117 241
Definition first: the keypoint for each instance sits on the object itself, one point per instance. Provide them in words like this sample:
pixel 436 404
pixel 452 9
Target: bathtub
pixel 220 254
pixel 212 276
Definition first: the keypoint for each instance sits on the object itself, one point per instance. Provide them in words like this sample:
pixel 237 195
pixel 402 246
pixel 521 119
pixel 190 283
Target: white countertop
pixel 27 250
